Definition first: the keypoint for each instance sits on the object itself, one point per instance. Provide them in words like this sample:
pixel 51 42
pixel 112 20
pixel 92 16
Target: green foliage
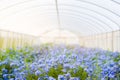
pixel 8 68
pixel 31 76
pixel 1 42
pixel 2 57
pixel 76 72
pixel 54 72
pixel 117 58
pixel 29 59
pixel 79 72
pixel 11 53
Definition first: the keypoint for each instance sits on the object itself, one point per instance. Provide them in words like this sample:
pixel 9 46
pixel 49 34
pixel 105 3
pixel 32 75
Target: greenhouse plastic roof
pixel 36 17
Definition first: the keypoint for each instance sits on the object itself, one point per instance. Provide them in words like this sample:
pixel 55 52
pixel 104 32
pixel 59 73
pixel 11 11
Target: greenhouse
pixel 59 39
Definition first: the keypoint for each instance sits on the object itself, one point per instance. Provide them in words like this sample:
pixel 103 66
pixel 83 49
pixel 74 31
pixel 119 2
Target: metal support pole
pixel 58 17
pixel 112 42
pixel 118 40
pixel 0 40
pixel 106 41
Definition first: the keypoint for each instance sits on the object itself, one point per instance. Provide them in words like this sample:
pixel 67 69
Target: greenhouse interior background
pixel 59 39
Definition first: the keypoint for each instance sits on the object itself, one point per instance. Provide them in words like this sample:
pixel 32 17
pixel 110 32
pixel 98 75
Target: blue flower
pixel 4 71
pixel 61 77
pixel 37 73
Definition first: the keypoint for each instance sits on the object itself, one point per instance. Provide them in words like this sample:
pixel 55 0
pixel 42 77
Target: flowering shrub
pixel 59 62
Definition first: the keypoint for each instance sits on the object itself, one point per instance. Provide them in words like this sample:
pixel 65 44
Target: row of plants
pixel 59 62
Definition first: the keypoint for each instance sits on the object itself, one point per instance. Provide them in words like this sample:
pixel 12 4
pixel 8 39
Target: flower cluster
pixel 59 62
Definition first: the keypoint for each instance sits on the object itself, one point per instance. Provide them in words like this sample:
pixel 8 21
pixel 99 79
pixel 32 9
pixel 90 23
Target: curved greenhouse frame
pixel 59 39
pixel 96 21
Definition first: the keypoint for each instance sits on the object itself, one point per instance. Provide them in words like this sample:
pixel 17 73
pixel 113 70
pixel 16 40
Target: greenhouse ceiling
pixel 35 17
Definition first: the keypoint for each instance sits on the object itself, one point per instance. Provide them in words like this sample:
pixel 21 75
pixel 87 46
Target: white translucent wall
pixel 57 37
pixel 108 41
pixel 13 40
